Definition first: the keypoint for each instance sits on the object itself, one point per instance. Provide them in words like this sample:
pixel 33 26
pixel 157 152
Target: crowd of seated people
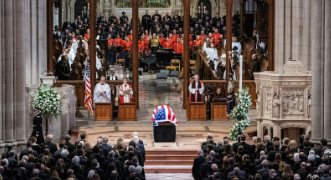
pixel 262 160
pixel 78 161
pixel 155 32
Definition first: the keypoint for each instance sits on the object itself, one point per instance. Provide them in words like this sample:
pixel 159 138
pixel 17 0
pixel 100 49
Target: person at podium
pixel 196 89
pixel 126 92
pixel 217 96
pixel 102 92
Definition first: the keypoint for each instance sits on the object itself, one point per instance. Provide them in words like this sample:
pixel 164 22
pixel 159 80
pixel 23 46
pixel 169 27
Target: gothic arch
pixel 79 7
pixel 214 6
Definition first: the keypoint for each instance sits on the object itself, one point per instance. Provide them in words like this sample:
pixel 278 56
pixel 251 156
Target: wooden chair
pixel 118 61
pixel 175 64
pixel 192 64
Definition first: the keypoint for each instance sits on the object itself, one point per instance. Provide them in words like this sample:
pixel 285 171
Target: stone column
pixel 259 129
pixel 306 34
pixel 280 34
pixel 19 69
pixel 297 26
pixel 2 81
pixel 327 70
pixel 34 43
pixel 9 73
pixel 42 42
pixel 107 9
pixel 269 131
pixel 28 47
pixel 317 70
pixel 288 31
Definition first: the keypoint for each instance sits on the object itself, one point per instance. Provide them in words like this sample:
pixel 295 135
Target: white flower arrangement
pixel 239 113
pixel 48 100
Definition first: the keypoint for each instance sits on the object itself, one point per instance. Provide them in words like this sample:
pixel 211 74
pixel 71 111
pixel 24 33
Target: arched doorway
pixel 202 4
pixel 79 8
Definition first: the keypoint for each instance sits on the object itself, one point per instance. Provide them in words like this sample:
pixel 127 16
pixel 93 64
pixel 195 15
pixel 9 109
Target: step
pixel 169 162
pixel 194 153
pixel 170 157
pixel 168 169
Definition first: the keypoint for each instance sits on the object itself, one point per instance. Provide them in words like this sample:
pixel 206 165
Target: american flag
pixel 163 113
pixel 88 96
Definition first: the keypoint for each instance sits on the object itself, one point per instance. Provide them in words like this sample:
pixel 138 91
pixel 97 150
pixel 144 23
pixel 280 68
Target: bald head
pixel 49 137
pixel 200 152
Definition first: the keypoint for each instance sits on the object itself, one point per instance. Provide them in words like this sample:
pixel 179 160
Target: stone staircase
pixel 169 161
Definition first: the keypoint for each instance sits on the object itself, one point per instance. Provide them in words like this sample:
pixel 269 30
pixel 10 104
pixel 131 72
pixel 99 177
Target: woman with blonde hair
pixel 277 161
pixel 225 162
pixel 120 147
pixel 287 172
pixel 286 141
pixel 292 143
pixel 87 149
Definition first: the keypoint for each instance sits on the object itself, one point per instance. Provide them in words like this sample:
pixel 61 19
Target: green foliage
pixel 48 100
pixel 239 113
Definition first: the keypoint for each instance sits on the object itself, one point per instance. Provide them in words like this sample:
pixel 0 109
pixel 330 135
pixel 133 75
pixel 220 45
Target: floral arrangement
pixel 239 113
pixel 48 100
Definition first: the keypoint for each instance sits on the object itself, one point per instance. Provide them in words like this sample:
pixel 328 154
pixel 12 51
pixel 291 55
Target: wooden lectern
pixel 103 112
pixel 127 111
pixel 196 111
pixel 218 111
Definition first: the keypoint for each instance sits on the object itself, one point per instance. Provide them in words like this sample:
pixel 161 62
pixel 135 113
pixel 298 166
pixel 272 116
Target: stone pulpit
pixel 283 101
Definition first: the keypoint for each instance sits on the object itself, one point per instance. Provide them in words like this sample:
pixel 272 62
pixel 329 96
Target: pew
pixel 103 112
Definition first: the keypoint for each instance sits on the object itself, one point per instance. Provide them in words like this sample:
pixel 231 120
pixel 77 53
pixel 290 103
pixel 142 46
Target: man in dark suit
pixel 57 154
pixel 12 161
pixel 215 160
pixel 52 146
pixel 206 167
pixel 27 150
pixel 106 147
pixel 146 21
pixel 237 173
pixel 230 168
pixel 70 146
pixel 235 145
pixel 265 168
pixel 244 144
pixel 267 141
pixel 140 141
pixel 303 171
pixel 196 165
pixel 82 138
pixel 272 154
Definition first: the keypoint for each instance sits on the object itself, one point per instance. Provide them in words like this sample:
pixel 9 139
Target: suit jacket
pixel 326 177
pixel 70 146
pixel 52 146
pixel 303 173
pixel 12 161
pixel 263 170
pixel 25 152
pixel 235 147
pixel 204 169
pixel 139 154
pixel 272 154
pixel 241 176
pixel 196 167
pixel 218 162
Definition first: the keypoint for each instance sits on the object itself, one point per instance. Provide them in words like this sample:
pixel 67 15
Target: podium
pixel 103 112
pixel 164 132
pixel 196 111
pixel 218 111
pixel 127 111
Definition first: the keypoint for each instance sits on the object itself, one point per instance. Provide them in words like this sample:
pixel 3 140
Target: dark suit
pixel 262 171
pixel 12 161
pixel 205 168
pixel 217 162
pixel 70 146
pixel 52 146
pixel 272 154
pixel 247 147
pixel 303 173
pixel 241 176
pixel 26 151
pixel 196 167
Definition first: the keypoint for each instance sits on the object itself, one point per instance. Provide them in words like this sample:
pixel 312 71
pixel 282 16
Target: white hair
pixel 90 174
pixel 75 160
pixel 25 157
pixel 132 169
pixel 82 142
pixel 312 152
pixel 139 169
pixel 64 152
pixel 135 133
pixel 311 157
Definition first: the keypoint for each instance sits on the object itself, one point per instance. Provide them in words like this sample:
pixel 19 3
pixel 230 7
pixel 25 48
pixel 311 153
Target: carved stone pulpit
pixel 284 99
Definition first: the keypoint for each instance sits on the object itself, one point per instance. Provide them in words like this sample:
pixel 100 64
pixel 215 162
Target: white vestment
pixel 212 53
pixel 71 57
pixel 102 93
pixel 98 66
pixel 126 97
pixel 233 77
pixel 233 45
pixel 196 85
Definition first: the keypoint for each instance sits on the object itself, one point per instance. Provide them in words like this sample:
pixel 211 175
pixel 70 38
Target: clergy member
pixel 102 92
pixel 112 76
pixel 196 89
pixel 125 92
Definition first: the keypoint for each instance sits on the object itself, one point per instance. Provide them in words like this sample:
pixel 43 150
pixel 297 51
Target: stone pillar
pixel 19 70
pixel 288 32
pixel 9 73
pixel 107 8
pixel 269 131
pixel 2 80
pixel 280 34
pixel 28 47
pixel 297 29
pixel 317 70
pixel 327 70
pixel 306 34
pixel 259 129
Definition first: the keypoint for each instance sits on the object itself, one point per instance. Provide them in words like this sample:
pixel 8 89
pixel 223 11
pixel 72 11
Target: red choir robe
pixel 125 98
pixel 202 37
pixel 217 38
pixel 178 48
pixel 118 42
pixel 110 42
pixel 167 45
pixel 130 37
pixel 162 40
pixel 86 36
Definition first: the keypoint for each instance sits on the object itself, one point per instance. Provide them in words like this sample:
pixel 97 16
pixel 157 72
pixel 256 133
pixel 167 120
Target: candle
pixel 88 7
pixel 240 72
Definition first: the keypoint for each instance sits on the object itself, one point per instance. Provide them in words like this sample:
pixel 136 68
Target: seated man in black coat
pixel 70 146
pixel 272 154
pixel 196 165
pixel 28 148
pixel 244 144
pixel 52 146
pixel 206 167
